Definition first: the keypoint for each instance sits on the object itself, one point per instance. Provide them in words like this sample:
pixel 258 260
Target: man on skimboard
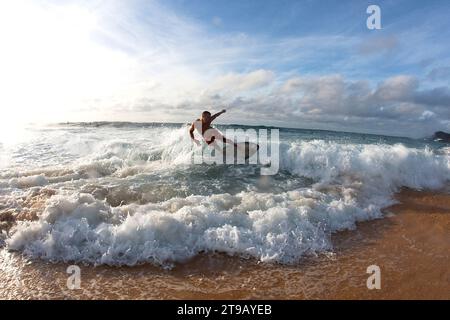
pixel 209 133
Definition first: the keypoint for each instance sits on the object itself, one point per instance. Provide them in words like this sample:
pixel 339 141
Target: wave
pixel 268 227
pixel 350 183
pixel 96 155
pixel 376 169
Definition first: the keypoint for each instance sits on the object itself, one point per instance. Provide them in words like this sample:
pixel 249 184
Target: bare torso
pixel 211 132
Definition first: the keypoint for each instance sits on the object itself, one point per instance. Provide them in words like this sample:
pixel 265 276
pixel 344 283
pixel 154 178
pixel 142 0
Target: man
pixel 209 134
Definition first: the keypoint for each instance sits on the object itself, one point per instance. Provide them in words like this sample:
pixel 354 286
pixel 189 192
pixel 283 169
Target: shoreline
pixel 410 245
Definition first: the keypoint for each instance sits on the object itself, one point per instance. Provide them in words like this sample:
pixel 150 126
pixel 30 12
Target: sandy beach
pixel 410 245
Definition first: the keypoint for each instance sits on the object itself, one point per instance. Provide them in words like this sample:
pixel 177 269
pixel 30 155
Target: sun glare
pixel 49 61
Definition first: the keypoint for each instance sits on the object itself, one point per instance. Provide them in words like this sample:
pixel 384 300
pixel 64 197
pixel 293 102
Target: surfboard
pixel 241 152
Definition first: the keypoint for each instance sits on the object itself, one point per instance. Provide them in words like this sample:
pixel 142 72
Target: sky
pixel 303 64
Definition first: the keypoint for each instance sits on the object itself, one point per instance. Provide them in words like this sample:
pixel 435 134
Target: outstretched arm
pixel 217 114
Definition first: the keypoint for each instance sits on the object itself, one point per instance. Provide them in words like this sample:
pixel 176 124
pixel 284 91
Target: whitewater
pixel 128 193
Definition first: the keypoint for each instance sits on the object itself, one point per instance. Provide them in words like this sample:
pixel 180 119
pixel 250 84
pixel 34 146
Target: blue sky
pixel 310 64
pixel 412 28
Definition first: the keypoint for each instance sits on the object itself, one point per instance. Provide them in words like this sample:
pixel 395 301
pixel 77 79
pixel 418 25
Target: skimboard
pixel 241 152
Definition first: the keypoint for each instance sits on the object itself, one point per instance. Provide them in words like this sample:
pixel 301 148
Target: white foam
pixel 28 181
pixel 90 156
pixel 372 170
pixel 268 227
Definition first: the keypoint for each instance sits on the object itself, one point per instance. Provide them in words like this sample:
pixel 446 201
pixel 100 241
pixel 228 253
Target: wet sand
pixel 410 245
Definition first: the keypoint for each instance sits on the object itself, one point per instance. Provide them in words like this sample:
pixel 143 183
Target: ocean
pixel 125 194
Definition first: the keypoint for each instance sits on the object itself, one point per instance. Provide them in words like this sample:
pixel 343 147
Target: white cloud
pixel 333 101
pixel 242 81
pixel 396 88
pixel 427 114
